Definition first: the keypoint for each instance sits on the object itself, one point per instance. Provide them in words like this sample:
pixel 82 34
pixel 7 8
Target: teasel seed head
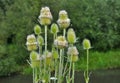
pixel 86 44
pixel 71 37
pixel 63 20
pixel 60 42
pixel 37 30
pixel 54 28
pixel 45 17
pixel 31 42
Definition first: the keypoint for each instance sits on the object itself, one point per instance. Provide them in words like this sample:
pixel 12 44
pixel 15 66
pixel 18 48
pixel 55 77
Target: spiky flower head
pixel 35 63
pixel 86 44
pixel 73 54
pixel 71 37
pixel 60 42
pixel 45 17
pixel 48 56
pixel 31 42
pixel 34 56
pixel 54 28
pixel 72 51
pixel 63 20
pixel 40 40
pixel 37 29
pixel 55 54
pixel 35 59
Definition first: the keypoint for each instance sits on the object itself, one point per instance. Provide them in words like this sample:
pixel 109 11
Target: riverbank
pixel 96 76
pixel 97 61
pixel 100 60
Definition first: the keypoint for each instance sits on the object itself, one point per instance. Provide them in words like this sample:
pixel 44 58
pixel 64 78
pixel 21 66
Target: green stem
pixel 60 68
pixel 49 72
pixel 87 77
pixel 62 63
pixel 55 61
pixel 40 53
pixel 56 67
pixel 36 74
pixel 45 38
pixel 73 72
pixel 45 49
pixel 70 68
pixel 64 32
pixel 54 36
pixel 33 75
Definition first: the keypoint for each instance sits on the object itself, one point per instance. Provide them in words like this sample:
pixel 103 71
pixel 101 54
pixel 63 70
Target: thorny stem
pixel 49 74
pixel 45 49
pixel 55 61
pixel 73 72
pixel 60 68
pixel 64 32
pixel 36 73
pixel 56 67
pixel 87 66
pixel 40 53
pixel 45 39
pixel 33 75
pixel 70 67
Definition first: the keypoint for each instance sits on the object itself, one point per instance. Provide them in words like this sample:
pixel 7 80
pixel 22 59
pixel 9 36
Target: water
pixel 103 76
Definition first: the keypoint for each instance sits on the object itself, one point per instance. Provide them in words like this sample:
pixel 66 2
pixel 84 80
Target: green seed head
pixel 34 55
pixel 71 37
pixel 74 58
pixel 63 20
pixel 31 42
pixel 49 58
pixel 45 16
pixel 55 54
pixel 73 54
pixel 35 64
pixel 86 44
pixel 37 29
pixel 40 40
pixel 54 28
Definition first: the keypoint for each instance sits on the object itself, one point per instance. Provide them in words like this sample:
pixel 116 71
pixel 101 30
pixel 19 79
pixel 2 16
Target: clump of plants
pixel 57 64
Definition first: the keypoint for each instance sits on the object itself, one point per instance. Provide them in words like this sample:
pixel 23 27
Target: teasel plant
pixel 87 47
pixel 57 64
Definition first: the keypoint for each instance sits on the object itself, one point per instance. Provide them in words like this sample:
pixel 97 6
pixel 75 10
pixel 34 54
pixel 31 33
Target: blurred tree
pixel 98 20
pixel 17 19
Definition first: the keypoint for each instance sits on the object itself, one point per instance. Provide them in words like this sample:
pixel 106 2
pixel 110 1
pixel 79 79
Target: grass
pixel 97 60
pixel 100 60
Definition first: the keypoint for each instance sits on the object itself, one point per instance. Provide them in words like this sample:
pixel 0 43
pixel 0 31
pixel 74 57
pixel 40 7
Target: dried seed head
pixel 54 28
pixel 37 30
pixel 63 20
pixel 72 51
pixel 31 42
pixel 63 14
pixel 86 44
pixel 71 37
pixel 45 16
pixel 60 42
pixel 73 54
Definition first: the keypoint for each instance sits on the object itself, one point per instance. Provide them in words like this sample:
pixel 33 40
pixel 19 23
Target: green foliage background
pixel 98 20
